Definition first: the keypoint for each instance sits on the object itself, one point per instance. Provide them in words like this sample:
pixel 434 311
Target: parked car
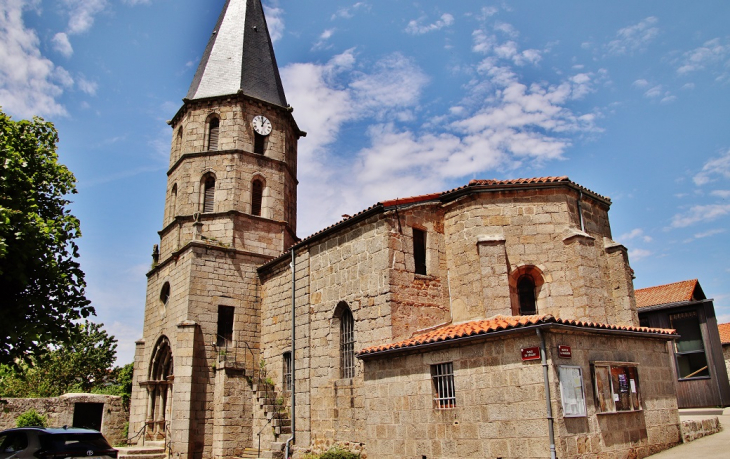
pixel 54 443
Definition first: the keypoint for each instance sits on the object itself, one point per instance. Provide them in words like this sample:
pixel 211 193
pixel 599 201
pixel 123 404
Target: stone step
pixel 141 452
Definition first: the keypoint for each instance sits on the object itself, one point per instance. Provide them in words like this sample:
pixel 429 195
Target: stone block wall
pixel 637 433
pixel 60 412
pixel 539 230
pixel 500 401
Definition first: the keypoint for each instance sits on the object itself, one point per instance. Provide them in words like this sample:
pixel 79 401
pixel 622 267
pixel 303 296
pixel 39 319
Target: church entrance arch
pixel 159 389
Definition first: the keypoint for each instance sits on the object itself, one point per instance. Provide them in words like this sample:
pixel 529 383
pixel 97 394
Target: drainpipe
pixel 293 360
pixel 543 358
pixel 580 211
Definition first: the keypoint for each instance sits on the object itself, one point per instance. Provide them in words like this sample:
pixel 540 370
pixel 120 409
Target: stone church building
pixel 497 319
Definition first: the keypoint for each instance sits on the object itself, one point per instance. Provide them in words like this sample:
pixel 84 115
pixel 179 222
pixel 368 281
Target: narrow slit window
pixel 526 294
pixel 259 143
pixel 257 196
pixel 225 325
pixel 209 195
pixel 213 129
pixel 286 371
pixel 419 250
pixel 347 344
pixel 443 384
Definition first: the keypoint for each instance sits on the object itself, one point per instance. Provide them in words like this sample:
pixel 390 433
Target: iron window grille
pixel 347 344
pixel 287 371
pixel 442 375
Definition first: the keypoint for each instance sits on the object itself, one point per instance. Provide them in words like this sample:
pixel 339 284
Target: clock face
pixel 261 125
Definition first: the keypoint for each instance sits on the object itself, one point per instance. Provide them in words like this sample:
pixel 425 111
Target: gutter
pixel 546 381
pixel 293 360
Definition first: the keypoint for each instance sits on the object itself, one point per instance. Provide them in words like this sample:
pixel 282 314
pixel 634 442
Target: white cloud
pixel 712 52
pixel 634 38
pixel 640 83
pixel 29 82
pixel 714 167
pixel 81 14
pixel 487 12
pixel 634 234
pixel 709 233
pixel 137 2
pixel 415 28
pixel 323 38
pixel 700 213
pixel 501 124
pixel 275 22
pixel 62 45
pixel 349 13
pixel 724 194
pixel 89 87
pixel 639 254
pixel 656 91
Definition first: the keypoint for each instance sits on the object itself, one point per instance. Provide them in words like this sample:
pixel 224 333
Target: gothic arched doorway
pixel 159 387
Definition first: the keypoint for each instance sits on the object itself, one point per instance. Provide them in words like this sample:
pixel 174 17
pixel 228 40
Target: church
pixel 497 319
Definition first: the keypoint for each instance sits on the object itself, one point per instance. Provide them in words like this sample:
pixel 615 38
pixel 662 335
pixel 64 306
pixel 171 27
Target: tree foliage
pixel 84 364
pixel 42 284
pixel 31 418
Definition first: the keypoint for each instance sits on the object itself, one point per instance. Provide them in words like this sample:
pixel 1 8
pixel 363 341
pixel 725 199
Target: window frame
pixel 225 325
pixel 347 344
pixel 257 199
pixel 211 145
pixel 420 250
pixel 632 385
pixel 208 204
pixel 678 354
pixel 444 385
pixel 533 284
pixel 569 390
pixel 286 371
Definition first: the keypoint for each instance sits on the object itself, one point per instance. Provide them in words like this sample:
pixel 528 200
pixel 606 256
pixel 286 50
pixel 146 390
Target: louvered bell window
pixel 209 195
pixel 213 129
pixel 257 196
pixel 347 344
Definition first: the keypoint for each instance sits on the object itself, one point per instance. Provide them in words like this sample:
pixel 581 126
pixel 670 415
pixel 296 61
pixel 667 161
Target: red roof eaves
pixel 497 324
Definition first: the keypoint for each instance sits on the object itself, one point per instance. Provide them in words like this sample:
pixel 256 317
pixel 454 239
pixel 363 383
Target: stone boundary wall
pixel 60 412
pixel 692 430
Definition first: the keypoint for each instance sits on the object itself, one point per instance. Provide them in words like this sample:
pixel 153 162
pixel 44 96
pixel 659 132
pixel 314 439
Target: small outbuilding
pixel 699 366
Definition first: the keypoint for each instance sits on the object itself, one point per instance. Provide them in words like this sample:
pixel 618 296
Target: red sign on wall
pixel 530 353
pixel 564 352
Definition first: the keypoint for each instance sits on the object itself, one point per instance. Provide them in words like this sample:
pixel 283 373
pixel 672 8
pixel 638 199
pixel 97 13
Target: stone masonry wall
pixel 60 412
pixel 624 434
pixel 500 403
pixel 540 229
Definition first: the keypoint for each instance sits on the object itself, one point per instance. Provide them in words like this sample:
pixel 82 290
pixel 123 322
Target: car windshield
pixel 74 441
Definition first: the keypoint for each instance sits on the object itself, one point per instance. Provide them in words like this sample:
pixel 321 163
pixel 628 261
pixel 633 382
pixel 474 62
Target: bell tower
pixel 231 205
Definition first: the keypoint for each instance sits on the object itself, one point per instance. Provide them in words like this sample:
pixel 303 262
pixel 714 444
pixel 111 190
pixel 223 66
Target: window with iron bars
pixel 442 375
pixel 347 344
pixel 287 371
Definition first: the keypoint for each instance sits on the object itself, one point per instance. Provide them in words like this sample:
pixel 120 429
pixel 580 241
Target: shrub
pixel 31 418
pixel 338 453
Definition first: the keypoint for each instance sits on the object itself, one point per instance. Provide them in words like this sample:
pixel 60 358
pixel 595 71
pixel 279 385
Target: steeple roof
pixel 239 57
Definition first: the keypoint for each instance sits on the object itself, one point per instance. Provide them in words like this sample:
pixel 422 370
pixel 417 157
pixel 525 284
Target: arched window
pixel 178 140
pixel 347 344
pixel 209 194
pixel 526 295
pixel 165 294
pixel 213 128
pixel 161 365
pixel 257 196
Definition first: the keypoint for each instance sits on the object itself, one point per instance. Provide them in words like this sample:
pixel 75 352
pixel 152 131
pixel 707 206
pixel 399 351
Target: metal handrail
pixel 139 432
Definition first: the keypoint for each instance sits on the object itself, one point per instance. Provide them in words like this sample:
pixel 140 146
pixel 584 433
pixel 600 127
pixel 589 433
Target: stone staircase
pixel 275 427
pixel 151 450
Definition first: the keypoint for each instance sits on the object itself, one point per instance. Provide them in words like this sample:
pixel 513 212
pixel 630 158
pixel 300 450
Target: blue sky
pixel 629 99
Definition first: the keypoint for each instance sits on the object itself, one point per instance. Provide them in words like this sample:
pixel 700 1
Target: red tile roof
pixel 496 324
pixel 724 333
pixel 665 294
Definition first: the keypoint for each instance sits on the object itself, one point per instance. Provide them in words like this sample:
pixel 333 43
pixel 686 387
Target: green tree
pixel 81 365
pixel 31 418
pixel 42 284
